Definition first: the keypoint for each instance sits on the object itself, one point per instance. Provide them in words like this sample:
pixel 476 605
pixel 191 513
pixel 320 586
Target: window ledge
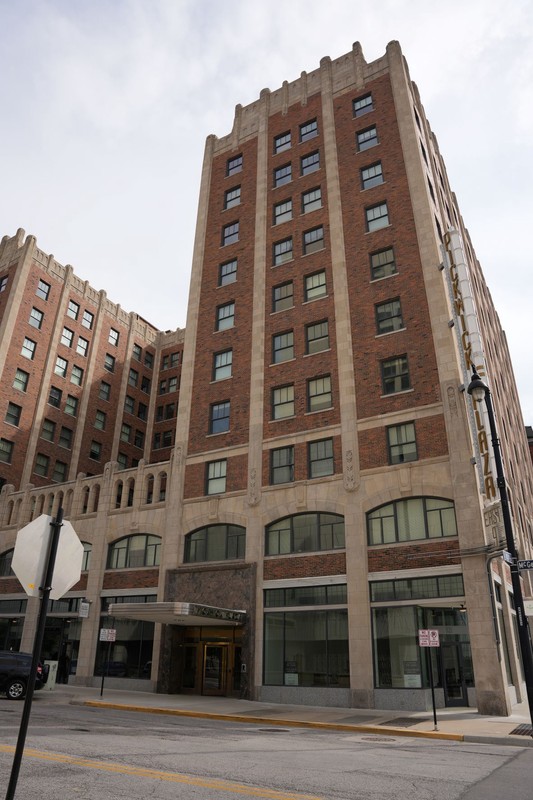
pixel 395 394
pixel 388 333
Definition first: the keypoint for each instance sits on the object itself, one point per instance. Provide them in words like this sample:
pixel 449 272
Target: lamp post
pixel 480 391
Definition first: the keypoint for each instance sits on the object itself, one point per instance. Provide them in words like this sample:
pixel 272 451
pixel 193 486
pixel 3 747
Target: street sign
pixel 525 564
pixel 507 557
pixel 428 638
pixel 108 635
pixel 31 551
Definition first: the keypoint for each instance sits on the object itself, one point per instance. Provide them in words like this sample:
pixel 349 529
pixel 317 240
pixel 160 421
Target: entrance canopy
pixel 178 613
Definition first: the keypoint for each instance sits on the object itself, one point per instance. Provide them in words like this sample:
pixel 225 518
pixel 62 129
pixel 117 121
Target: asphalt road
pixel 103 754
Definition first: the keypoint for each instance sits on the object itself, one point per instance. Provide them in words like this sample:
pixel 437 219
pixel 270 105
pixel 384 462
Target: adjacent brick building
pixel 274 501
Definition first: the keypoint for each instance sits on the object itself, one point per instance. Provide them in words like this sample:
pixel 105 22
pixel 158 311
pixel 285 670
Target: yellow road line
pixel 171 777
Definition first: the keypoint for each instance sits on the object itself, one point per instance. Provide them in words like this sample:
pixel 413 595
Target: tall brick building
pixel 324 488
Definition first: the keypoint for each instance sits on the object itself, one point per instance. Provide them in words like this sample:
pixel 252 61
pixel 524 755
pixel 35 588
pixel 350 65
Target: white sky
pixel 105 106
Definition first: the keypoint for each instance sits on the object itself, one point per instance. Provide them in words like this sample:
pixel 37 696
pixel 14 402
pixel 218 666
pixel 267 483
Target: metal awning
pixel 178 613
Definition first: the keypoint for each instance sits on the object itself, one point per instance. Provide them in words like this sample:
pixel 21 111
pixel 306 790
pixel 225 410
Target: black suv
pixel 15 672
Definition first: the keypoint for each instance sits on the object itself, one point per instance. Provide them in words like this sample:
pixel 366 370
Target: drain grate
pixel 523 730
pixel 404 722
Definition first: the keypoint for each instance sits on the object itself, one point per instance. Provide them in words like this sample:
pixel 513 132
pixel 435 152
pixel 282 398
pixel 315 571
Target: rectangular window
pixel 382 264
pixel 283 402
pixel 313 240
pixel 282 212
pixel 308 130
pixel 234 165
pixel 76 376
pixel 282 465
pixel 282 347
pixel 28 348
pixel 54 398
pixel 395 375
pixel 73 309
pixel 104 393
pixel 282 251
pixel 61 366
pixel 219 417
pixel 3 283
pixel 230 233
pixel 95 451
pixel 401 442
pixel 133 377
pixel 282 175
pixel 42 465
pixel 36 318
pixel 136 352
pixel 138 439
pixel 317 337
pixel 87 320
pixel 48 431
pixel 321 458
pixel 6 451
pixel 21 380
pixel 372 175
pixel 389 316
pixel 122 460
pixel 82 346
pixel 377 217
pixel 362 105
pixel 232 197
pixel 315 286
pixel 43 290
pixel 164 362
pixel 148 360
pixel 216 477
pixel 109 362
pixel 282 142
pixel 142 411
pixel 71 405
pixel 283 296
pixel 145 384
pixel 227 272
pixel 367 138
pixel 310 163
pixel 173 384
pixel 225 317
pixel 319 393
pixel 100 420
pixel 60 472
pixel 174 359
pixel 113 337
pixel 311 200
pixel 67 337
pixel 65 438
pixel 13 414
pixel 222 365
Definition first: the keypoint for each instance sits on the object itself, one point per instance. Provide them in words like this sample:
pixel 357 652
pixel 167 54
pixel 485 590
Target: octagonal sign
pixel 30 554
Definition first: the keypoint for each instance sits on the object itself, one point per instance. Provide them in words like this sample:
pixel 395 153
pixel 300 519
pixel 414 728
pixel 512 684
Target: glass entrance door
pixel 215 669
pixel 453 681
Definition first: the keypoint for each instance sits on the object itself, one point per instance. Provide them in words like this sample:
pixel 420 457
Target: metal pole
pixel 432 684
pixel 521 617
pixel 46 588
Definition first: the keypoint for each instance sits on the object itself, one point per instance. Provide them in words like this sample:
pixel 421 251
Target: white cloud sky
pixel 105 107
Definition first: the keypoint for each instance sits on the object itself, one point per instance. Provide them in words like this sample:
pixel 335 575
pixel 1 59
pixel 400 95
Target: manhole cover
pixel 378 738
pixel 523 730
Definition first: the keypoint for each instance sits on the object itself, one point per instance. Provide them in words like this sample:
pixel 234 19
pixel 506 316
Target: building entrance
pixel 453 674
pixel 211 665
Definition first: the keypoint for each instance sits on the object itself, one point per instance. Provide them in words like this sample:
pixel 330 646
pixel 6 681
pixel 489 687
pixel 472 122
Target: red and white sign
pixel 428 638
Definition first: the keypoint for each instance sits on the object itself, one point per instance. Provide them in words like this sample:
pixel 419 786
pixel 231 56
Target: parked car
pixel 15 671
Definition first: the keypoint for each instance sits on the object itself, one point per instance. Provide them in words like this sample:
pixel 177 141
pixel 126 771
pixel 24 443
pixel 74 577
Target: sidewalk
pixel 458 724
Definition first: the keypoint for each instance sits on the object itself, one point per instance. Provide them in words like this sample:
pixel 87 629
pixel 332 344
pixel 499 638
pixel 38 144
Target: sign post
pixel 428 637
pixel 107 635
pixel 34 564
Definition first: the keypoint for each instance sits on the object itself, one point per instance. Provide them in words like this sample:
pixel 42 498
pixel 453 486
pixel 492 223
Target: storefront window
pixel 307 648
pixel 130 655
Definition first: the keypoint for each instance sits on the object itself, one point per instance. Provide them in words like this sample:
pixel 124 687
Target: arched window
pixel 131 490
pixel 305 533
pixel 410 520
pixel 95 497
pixel 87 550
pixel 215 543
pixel 5 563
pixel 85 503
pixel 140 550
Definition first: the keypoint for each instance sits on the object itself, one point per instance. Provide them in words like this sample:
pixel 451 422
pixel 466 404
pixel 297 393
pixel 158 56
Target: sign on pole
pixel 528 564
pixel 428 638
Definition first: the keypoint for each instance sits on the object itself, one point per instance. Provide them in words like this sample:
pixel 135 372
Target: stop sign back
pixel 31 550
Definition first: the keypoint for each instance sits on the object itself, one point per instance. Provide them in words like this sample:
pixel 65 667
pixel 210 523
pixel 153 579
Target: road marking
pixel 171 777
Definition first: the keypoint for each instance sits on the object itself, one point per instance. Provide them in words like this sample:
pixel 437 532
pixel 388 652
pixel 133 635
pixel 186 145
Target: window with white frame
pixel 311 200
pixel 283 402
pixel 225 317
pixel 377 217
pixel 319 393
pixel 401 443
pixel 320 458
pixel 222 365
pixel 282 212
pixel 216 476
pixel 317 337
pixel 282 347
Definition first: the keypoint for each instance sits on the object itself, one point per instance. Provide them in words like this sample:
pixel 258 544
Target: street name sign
pixel 528 564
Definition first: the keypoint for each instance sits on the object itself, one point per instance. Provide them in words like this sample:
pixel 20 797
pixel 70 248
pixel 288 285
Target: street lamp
pixel 479 392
